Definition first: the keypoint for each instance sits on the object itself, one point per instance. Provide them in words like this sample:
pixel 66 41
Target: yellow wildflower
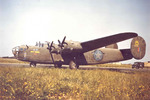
pixel 25 83
pixel 59 97
pixel 9 81
pixel 127 94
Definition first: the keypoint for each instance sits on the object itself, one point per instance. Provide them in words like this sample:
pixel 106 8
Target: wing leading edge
pixel 101 42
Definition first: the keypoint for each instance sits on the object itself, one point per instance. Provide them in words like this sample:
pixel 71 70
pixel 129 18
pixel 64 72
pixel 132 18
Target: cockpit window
pixel 15 51
pixel 17 48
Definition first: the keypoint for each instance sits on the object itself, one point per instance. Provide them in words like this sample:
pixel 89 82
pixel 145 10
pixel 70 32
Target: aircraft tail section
pixel 138 47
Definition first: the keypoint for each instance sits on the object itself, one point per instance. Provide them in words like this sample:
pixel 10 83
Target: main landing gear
pixel 73 65
pixel 58 65
pixel 32 64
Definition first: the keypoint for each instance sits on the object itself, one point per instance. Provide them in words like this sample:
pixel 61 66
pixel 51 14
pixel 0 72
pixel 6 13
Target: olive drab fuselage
pixel 41 55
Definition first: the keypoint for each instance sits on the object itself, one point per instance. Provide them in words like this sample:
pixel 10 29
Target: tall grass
pixel 51 83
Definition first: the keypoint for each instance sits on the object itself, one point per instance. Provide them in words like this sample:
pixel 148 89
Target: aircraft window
pixel 17 48
pixel 21 49
pixel 14 50
pixel 36 49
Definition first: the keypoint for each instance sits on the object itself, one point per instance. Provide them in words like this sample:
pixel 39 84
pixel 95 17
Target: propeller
pixel 50 46
pixel 50 51
pixel 61 44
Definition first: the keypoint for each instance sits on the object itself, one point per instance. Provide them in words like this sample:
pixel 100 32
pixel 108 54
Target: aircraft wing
pixel 101 42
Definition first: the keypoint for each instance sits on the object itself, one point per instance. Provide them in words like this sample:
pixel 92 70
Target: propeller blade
pixel 52 58
pixel 63 40
pixel 48 44
pixel 50 48
pixel 61 44
pixel 51 44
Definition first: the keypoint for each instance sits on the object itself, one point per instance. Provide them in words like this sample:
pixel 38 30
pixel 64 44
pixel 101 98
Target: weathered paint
pixel 109 55
pixel 84 53
pixel 104 55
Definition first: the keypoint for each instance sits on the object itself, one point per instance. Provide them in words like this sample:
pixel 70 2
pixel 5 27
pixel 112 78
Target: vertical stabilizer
pixel 138 47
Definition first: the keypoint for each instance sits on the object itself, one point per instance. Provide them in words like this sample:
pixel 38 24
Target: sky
pixel 24 22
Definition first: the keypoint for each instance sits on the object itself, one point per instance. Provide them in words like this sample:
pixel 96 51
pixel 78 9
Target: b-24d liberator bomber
pixel 75 53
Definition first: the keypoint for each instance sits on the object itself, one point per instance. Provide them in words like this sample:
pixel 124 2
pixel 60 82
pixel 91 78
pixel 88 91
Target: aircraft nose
pixel 15 51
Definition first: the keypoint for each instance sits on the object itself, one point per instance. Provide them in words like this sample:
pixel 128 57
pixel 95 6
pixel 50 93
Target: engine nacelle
pixel 138 47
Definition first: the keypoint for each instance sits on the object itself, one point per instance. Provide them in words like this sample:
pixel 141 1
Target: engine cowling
pixel 138 47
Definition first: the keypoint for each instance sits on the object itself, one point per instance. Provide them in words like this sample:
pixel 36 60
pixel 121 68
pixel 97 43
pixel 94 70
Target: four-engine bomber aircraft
pixel 74 53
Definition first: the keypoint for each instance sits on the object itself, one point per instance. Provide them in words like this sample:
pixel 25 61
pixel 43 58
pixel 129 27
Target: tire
pixel 58 65
pixel 73 65
pixel 133 66
pixel 32 64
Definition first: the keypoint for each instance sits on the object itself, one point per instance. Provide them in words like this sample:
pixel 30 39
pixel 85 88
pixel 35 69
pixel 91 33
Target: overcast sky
pixel 29 21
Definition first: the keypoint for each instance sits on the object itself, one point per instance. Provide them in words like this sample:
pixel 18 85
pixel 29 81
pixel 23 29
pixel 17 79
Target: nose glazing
pixel 15 51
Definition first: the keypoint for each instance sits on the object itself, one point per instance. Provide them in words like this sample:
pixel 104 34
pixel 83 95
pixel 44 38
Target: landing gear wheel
pixel 73 65
pixel 32 64
pixel 58 65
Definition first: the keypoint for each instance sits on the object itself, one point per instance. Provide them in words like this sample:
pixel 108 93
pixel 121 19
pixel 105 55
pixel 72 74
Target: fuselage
pixel 42 55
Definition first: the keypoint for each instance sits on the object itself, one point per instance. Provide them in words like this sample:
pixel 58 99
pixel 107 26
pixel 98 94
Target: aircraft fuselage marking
pixel 136 43
pixel 98 55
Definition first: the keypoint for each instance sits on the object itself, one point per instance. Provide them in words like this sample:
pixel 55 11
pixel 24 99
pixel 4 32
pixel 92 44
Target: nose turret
pixel 15 51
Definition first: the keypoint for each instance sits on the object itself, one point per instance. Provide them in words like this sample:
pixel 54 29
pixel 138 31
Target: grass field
pixel 8 60
pixel 65 84
pixel 114 65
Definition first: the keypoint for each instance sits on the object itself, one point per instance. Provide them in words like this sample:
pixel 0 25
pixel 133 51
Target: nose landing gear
pixel 32 64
